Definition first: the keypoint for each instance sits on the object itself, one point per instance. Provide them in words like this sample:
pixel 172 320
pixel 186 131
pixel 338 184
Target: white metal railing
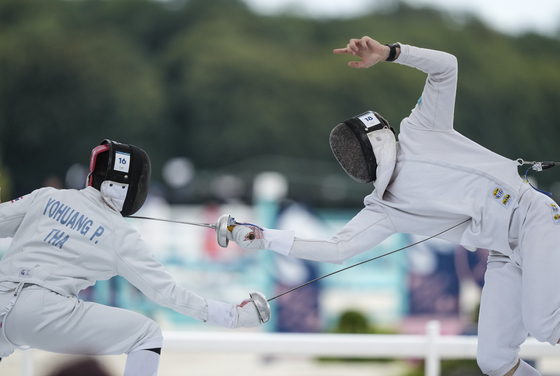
pixel 433 347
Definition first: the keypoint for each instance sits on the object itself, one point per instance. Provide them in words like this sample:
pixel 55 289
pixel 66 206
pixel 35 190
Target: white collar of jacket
pixel 384 146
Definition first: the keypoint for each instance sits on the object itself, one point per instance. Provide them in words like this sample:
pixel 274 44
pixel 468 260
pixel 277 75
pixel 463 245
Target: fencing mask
pixel 122 174
pixel 365 146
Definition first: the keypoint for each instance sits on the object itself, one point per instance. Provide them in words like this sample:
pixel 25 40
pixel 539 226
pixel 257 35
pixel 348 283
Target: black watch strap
pixel 393 53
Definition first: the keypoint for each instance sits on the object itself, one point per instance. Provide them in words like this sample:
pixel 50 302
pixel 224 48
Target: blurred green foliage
pixel 455 367
pixel 355 322
pixel 232 90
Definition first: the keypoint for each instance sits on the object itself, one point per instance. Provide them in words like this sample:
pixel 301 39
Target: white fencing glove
pixel 253 237
pixel 244 315
pixel 249 236
pixel 247 314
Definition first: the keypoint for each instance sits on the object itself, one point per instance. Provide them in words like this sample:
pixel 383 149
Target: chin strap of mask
pixel 537 166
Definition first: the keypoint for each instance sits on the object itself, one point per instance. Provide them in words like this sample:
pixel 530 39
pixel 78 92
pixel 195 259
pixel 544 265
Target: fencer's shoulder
pixel 45 190
pixel 92 194
pixel 49 191
pixel 39 192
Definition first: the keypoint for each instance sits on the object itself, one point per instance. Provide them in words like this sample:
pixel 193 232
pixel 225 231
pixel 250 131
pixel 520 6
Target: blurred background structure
pixel 234 102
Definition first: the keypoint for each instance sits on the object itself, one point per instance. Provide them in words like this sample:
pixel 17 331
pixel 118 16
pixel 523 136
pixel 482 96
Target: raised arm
pixel 435 107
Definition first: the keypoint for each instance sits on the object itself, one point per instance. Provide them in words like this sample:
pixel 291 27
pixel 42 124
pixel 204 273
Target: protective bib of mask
pixel 114 193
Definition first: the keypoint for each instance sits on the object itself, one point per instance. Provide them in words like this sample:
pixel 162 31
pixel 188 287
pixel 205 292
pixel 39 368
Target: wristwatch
pixel 393 53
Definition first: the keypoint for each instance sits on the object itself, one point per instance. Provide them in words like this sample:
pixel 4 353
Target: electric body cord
pixel 537 166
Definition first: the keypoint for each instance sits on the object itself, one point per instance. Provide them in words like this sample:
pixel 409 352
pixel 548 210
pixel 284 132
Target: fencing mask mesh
pixel 349 152
pixel 351 145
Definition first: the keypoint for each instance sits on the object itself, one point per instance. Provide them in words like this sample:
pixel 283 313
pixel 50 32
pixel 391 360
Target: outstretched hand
pixel 369 50
pixel 249 236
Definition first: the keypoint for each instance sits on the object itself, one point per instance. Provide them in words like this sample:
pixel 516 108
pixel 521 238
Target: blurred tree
pixel 217 83
pixel 66 89
pixel 355 322
pixel 5 185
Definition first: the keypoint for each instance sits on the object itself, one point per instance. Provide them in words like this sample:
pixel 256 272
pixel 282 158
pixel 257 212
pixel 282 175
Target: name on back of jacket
pixel 72 220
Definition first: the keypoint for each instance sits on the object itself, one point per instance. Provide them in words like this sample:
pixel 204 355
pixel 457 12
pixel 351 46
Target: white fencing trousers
pixel 521 294
pixel 51 322
pixel 526 370
pixel 141 363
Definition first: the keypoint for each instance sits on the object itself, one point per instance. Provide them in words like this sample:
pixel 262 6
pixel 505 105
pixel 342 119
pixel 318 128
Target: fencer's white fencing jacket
pixel 66 240
pixel 441 178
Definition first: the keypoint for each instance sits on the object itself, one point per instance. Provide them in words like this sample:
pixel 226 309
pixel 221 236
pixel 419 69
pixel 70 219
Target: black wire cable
pixel 371 259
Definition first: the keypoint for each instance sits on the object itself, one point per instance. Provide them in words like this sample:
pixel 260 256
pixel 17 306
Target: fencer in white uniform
pixel 66 240
pixel 432 179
